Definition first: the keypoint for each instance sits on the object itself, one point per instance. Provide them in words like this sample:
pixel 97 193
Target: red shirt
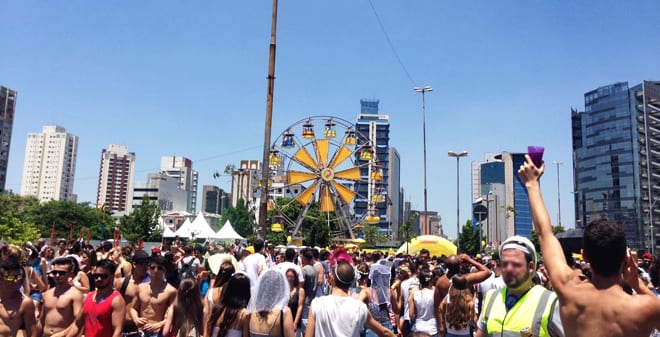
pixel 98 316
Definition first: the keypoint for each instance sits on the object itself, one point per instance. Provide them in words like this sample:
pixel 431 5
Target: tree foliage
pixel 406 231
pixel 69 219
pixel 372 236
pixel 469 240
pixel 241 218
pixel 142 223
pixel 16 231
pixel 535 237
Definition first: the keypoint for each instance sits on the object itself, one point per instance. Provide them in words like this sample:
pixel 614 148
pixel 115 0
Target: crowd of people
pixel 70 289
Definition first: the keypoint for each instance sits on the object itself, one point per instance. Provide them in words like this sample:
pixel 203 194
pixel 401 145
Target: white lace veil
pixel 272 292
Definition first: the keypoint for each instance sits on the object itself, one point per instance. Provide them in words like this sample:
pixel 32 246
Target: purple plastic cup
pixel 536 153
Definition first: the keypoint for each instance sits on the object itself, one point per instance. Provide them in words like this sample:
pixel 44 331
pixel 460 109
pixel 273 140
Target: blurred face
pixel 102 278
pixel 11 280
pixel 424 257
pixel 156 271
pixel 291 277
pixel 61 274
pixel 515 269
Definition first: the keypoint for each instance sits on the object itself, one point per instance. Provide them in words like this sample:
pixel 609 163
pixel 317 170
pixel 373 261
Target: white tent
pixel 184 231
pixel 200 229
pixel 227 232
pixel 167 233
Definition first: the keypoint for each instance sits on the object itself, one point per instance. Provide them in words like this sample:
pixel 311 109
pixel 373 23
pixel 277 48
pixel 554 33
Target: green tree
pixel 535 237
pixel 17 206
pixel 318 224
pixel 285 212
pixel 406 231
pixel 17 231
pixel 241 218
pixel 469 240
pixel 372 236
pixel 142 223
pixel 68 217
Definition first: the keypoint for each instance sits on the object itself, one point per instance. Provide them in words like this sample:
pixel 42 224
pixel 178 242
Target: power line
pixel 389 42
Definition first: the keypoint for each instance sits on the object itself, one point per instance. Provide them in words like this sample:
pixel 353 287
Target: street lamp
pixel 458 212
pixel 423 92
pixel 558 194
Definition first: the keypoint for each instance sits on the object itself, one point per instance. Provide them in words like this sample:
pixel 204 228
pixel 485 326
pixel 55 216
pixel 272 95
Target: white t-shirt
pixel 493 282
pixel 408 283
pixel 337 316
pixel 286 265
pixel 251 265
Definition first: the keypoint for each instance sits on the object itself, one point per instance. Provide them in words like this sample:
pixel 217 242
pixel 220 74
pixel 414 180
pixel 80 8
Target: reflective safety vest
pixel 531 313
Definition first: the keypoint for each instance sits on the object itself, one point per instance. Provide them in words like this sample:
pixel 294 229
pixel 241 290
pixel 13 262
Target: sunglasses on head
pixel 58 272
pixel 101 276
pixel 13 278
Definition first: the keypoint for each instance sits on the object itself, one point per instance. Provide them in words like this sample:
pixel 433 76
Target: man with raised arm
pixel 63 303
pixel 599 307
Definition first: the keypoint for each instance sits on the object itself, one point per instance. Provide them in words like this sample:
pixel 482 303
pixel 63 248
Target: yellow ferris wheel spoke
pixel 352 173
pixel 344 192
pixel 321 147
pixel 303 157
pixel 297 177
pixel 342 154
pixel 326 199
pixel 305 197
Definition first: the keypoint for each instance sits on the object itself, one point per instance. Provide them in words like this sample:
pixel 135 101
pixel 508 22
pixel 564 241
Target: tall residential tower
pixel 115 188
pixel 50 164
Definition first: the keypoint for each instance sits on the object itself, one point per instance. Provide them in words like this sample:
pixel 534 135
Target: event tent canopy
pixel 227 232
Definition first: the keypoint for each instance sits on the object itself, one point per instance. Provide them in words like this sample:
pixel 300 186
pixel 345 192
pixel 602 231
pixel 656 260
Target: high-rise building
pixel 616 159
pixel 499 188
pixel 50 164
pixel 374 128
pixel 181 169
pixel 7 109
pixel 394 211
pixel 162 189
pixel 116 174
pixel 245 183
pixel 214 200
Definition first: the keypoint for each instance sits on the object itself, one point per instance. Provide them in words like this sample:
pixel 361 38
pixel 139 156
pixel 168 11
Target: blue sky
pixel 189 78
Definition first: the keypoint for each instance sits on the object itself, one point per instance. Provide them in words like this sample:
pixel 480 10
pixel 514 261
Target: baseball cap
pixel 155 250
pixel 648 256
pixel 520 243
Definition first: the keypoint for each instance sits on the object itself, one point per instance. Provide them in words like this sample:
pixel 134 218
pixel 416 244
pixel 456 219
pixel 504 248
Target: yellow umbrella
pixel 436 245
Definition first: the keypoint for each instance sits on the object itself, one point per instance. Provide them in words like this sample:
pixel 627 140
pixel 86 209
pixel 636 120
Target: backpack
pixel 186 270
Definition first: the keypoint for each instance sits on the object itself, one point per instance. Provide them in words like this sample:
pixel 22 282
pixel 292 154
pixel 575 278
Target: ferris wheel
pixel 336 167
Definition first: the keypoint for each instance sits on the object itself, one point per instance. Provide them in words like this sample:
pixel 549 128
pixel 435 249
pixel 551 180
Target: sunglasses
pixel 101 276
pixel 156 267
pixel 58 272
pixel 13 278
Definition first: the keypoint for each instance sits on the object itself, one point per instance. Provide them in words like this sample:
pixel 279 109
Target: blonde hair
pixel 460 308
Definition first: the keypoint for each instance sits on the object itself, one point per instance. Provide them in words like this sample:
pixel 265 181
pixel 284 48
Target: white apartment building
pixel 181 169
pixel 50 164
pixel 115 187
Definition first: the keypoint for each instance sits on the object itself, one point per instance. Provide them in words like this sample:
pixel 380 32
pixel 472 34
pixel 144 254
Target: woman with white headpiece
pixel 270 315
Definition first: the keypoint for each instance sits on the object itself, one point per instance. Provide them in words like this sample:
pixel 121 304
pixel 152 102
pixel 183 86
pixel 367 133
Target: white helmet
pixel 520 243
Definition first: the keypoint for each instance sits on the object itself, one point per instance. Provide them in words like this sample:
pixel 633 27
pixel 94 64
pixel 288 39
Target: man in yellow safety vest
pixel 521 308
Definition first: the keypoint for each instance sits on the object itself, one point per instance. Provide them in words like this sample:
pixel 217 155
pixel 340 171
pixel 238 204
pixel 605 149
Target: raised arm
pixel 553 256
pixel 482 273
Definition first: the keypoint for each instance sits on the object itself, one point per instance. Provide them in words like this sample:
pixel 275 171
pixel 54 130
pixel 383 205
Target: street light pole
pixel 458 199
pixel 265 165
pixel 423 92
pixel 558 194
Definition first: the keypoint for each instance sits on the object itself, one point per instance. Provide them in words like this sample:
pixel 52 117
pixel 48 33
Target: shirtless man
pixel 153 301
pixel 103 310
pixel 62 304
pixel 599 307
pixel 16 309
pixel 128 287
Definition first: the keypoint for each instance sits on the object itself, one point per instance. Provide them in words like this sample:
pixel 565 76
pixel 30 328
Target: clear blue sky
pixel 189 78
